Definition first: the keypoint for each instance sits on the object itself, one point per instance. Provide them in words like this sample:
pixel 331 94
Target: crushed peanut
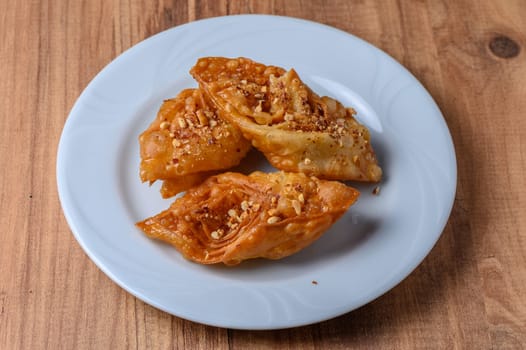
pixel 297 206
pixel 244 205
pixel 209 114
pixel 215 235
pixel 307 161
pixel 273 219
pixel 164 125
pixel 301 198
pixel 259 107
pixel 181 122
pixel 203 120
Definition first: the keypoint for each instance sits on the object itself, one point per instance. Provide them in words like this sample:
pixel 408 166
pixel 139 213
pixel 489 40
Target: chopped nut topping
pixel 376 190
pixel 232 213
pixel 213 123
pixel 355 159
pixel 272 212
pixel 203 120
pixel 176 143
pixel 164 125
pixel 209 114
pixel 307 161
pixel 232 225
pixel 215 235
pixel 301 198
pixel 244 205
pixel 273 219
pixel 181 122
pixel 289 117
pixel 297 206
pixel 259 107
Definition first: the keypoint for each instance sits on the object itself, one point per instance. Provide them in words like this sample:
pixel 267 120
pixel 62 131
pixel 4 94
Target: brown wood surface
pixel 469 293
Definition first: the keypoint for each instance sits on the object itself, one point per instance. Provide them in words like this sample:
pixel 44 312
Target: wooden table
pixel 470 292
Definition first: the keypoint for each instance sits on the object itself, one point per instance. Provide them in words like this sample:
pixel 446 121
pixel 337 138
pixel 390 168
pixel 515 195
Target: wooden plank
pixel 468 293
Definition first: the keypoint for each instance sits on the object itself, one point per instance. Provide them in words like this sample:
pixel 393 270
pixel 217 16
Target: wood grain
pixel 470 292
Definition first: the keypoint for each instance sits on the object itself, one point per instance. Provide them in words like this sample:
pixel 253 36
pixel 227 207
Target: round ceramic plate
pixel 379 241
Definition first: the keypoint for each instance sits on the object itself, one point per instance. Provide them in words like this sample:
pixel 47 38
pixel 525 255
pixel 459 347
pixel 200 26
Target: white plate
pixel 367 252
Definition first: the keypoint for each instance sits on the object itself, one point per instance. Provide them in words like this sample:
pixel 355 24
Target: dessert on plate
pixel 187 142
pixel 297 130
pixel 233 217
